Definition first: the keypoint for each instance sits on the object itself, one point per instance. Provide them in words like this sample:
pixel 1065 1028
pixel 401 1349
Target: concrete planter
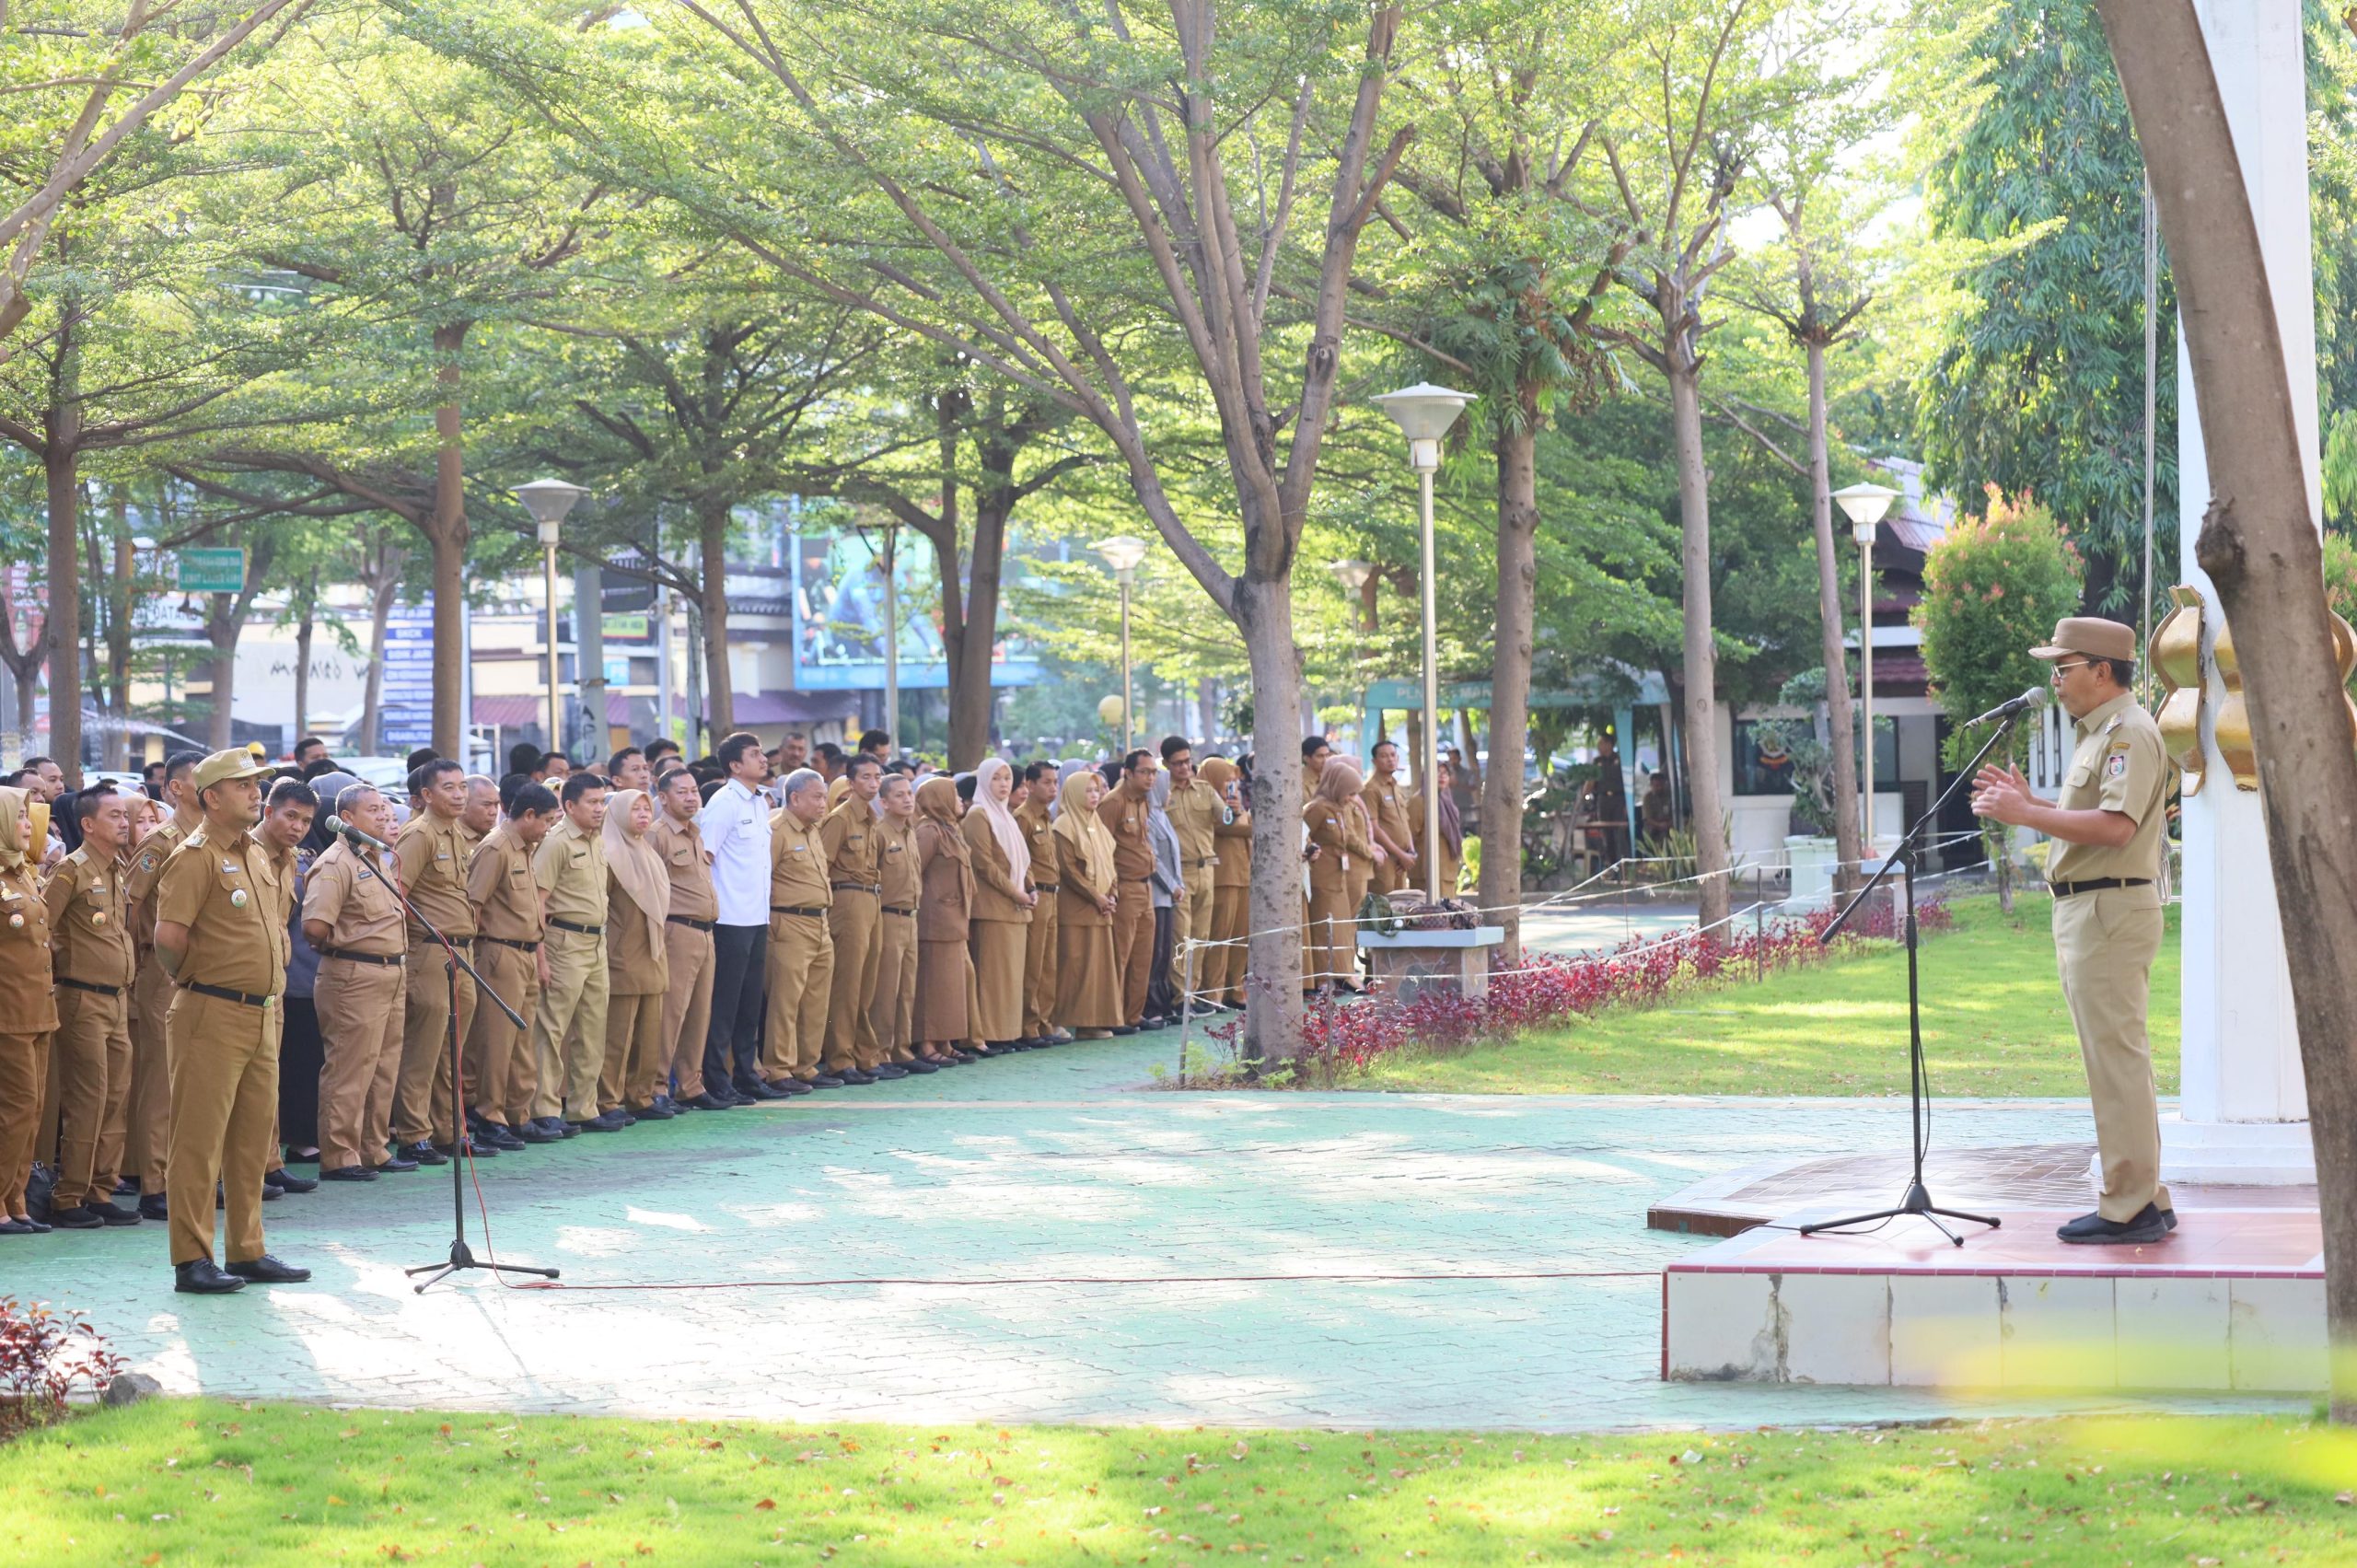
pixel 1406 963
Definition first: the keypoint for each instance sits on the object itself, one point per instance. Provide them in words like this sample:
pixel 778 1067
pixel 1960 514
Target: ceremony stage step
pixel 2233 1300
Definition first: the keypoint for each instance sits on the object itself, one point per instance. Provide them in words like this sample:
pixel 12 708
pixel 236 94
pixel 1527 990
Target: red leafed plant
pixel 43 1360
pixel 1343 1038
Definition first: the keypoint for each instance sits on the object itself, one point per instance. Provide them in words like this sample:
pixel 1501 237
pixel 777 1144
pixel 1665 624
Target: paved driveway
pixel 1042 1238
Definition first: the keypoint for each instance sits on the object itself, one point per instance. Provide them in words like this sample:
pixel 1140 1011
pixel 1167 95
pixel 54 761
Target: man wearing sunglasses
pixel 2105 869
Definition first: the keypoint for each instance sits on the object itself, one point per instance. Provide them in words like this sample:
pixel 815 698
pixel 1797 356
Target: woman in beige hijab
pixel 1223 977
pixel 28 1001
pixel 1338 825
pixel 638 897
pixel 945 918
pixel 1002 902
pixel 1088 985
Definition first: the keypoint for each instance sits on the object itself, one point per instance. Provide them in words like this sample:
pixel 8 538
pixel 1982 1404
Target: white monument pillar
pixel 2245 1106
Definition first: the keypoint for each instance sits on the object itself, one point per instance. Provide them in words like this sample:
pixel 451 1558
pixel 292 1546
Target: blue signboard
pixel 839 617
pixel 407 704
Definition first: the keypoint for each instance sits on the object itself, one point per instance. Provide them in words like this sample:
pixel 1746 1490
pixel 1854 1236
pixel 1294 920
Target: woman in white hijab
pixel 638 897
pixel 1002 902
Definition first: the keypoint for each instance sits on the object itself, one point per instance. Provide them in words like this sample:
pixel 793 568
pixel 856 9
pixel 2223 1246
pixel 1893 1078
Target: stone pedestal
pixel 1407 963
pixel 2245 1105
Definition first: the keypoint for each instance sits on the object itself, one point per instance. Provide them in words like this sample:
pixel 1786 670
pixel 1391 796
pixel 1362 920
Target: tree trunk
pixel 303 630
pixel 1701 655
pixel 975 634
pixel 2260 546
pixel 118 741
pixel 1272 956
pixel 384 585
pixel 712 530
pixel 1846 826
pixel 1501 886
pixel 1207 710
pixel 60 464
pixel 221 629
pixel 448 535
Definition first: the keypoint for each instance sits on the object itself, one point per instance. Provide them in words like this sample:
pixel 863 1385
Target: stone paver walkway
pixel 1036 1240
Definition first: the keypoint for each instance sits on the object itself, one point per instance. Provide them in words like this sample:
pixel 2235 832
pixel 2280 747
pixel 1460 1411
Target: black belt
pixel 2096 885
pixel 691 921
pixel 798 909
pixel 1046 886
pixel 889 909
pixel 585 930
pixel 420 940
pixel 1203 860
pixel 95 990
pixel 511 942
pixel 874 887
pixel 393 962
pixel 226 995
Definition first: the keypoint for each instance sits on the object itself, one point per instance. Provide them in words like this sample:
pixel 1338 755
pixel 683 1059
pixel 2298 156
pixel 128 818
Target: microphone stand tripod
pixel 1918 1198
pixel 461 1254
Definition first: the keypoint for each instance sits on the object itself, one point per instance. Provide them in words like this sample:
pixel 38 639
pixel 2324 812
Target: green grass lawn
pixel 1993 1024
pixel 176 1482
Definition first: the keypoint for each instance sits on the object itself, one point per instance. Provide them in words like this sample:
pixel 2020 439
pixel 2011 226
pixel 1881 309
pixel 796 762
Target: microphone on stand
pixel 2036 697
pixel 351 834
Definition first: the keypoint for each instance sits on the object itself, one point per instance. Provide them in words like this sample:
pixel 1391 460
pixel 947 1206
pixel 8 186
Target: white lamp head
pixel 1353 575
pixel 548 500
pixel 1121 552
pixel 1424 414
pixel 1864 504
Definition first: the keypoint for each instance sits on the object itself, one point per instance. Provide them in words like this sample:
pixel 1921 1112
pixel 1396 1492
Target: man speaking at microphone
pixel 2105 869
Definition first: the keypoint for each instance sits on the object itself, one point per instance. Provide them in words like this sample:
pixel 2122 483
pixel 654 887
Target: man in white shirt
pixel 736 827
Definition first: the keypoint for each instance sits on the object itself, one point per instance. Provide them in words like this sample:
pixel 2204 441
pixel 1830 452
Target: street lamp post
pixel 1424 414
pixel 548 500
pixel 1123 553
pixel 1354 576
pixel 1864 504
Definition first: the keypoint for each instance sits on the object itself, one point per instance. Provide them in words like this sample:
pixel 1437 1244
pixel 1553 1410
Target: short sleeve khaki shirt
pixel 432 857
pixel 505 892
pixel 360 912
pixel 798 864
pixel 2119 765
pixel 226 892
pixel 571 866
pixel 681 846
pixel 89 920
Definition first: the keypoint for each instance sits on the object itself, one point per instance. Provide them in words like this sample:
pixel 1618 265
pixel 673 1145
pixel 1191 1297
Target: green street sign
pixel 212 571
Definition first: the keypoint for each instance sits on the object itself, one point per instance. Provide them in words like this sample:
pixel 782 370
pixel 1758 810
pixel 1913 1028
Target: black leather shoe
pixel 2150 1225
pixel 855 1075
pixel 288 1181
pixel 12 1227
pixel 563 1128
pixel 710 1101
pixel 424 1154
pixel 918 1067
pixel 758 1088
pixel 153 1207
pixel 202 1277
pixel 268 1270
pixel 400 1163
pixel 79 1217
pixel 348 1173
pixel 534 1132
pixel 607 1122
pixel 507 1140
pixel 651 1113
pixel 793 1088
pixel 1125 1029
pixel 821 1081
pixel 885 1071
pixel 114 1214
pixel 124 1186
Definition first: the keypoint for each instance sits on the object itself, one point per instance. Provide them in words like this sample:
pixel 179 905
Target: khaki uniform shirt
pixel 1039 837
pixel 2119 765
pixel 28 992
pixel 570 867
pixel 1125 814
pixel 681 846
pixel 505 893
pixel 798 864
pixel 895 859
pixel 226 892
pixel 848 833
pixel 430 856
pixel 89 920
pixel 360 912
pixel 1387 803
pixel 146 866
pixel 1194 814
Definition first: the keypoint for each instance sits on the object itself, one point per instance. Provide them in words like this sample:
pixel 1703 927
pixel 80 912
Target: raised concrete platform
pixel 2234 1299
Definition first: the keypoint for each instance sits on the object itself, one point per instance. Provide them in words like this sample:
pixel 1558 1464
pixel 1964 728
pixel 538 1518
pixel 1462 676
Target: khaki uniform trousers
pixel 422 1097
pixel 499 1055
pixel 1224 980
pixel 1202 901
pixel 21 1070
pixel 147 1113
pixel 2104 942
pixel 635 1051
pixel 852 924
pixel 360 1030
pixel 1039 969
pixel 687 1006
pixel 1330 953
pixel 225 1114
pixel 91 1064
pixel 893 1015
pixel 1134 946
pixel 801 979
pixel 569 1027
